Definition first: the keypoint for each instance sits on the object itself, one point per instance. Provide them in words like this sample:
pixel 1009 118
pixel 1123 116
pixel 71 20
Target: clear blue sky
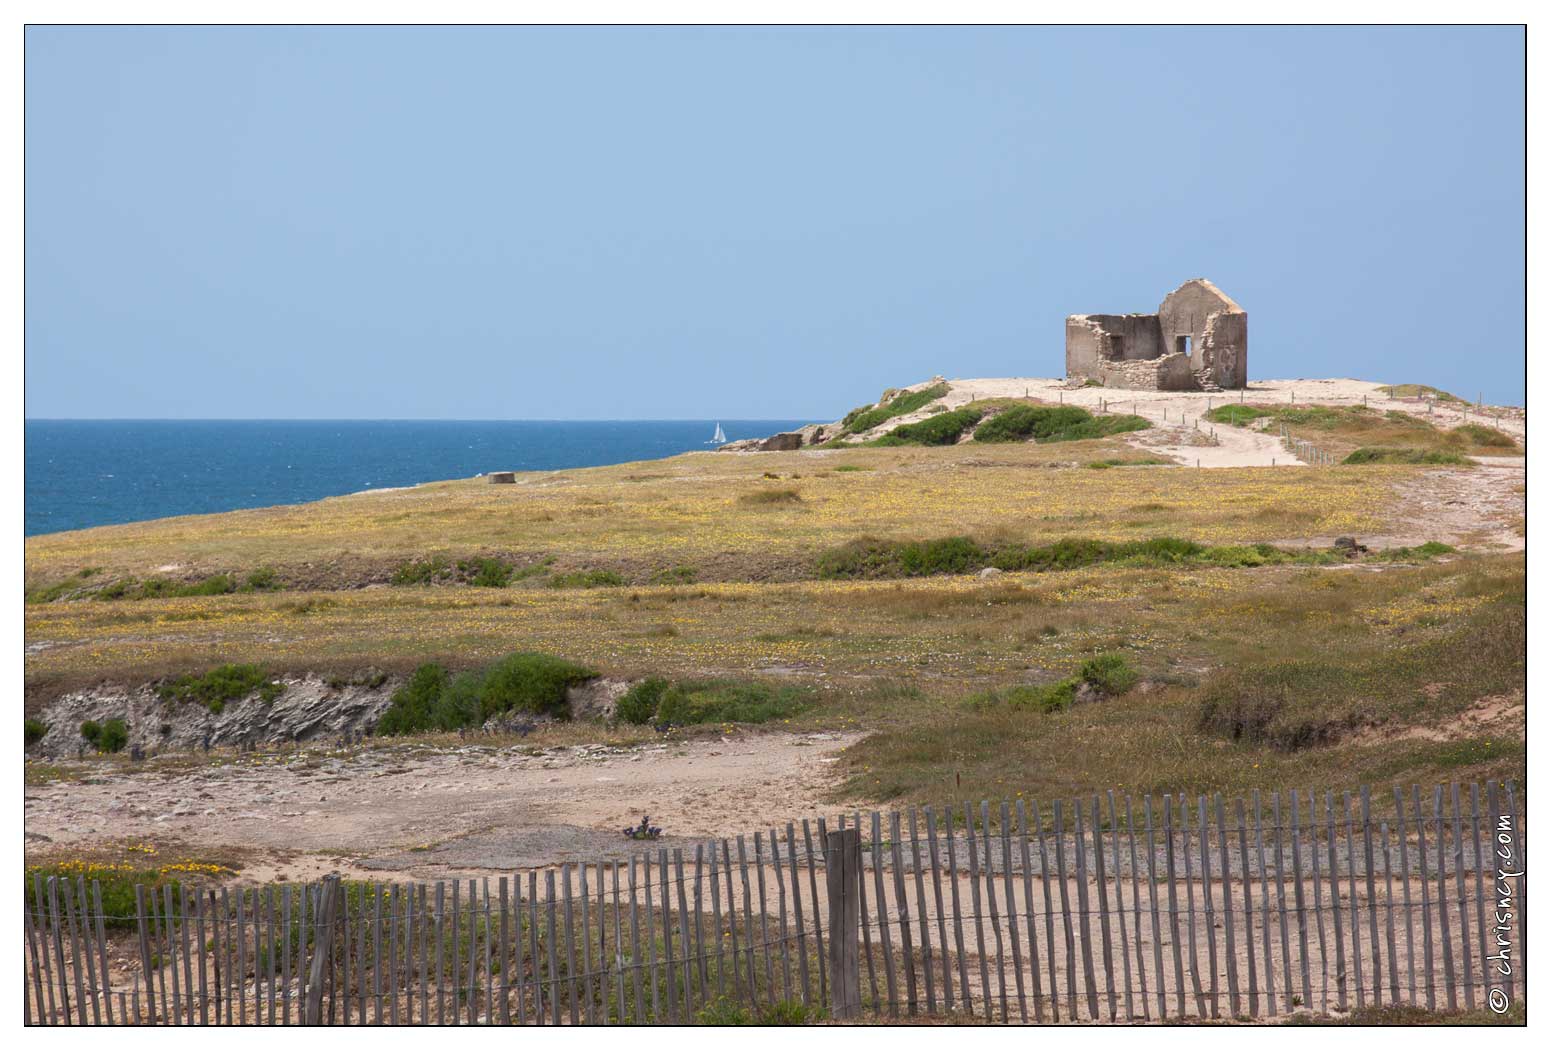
pixel 666 223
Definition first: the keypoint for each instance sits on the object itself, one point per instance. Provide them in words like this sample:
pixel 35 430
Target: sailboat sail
pixel 719 437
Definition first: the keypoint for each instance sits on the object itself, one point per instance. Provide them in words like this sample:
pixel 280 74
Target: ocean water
pixel 83 473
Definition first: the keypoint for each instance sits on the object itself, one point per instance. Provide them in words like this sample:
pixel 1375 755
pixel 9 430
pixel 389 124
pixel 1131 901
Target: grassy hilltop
pixel 1241 650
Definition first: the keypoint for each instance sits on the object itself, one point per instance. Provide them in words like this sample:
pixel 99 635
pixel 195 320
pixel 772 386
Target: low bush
pixel 114 736
pixel 770 498
pixel 1380 454
pixel 1054 423
pixel 524 682
pixel 866 417
pixel 529 682
pixel 36 730
pixel 421 572
pixel 1487 437
pixel 412 704
pixel 587 578
pixel 872 558
pixel 639 704
pixel 91 732
pixel 1111 674
pixel 728 701
pixel 1237 414
pixel 943 429
pixel 486 572
pixel 216 687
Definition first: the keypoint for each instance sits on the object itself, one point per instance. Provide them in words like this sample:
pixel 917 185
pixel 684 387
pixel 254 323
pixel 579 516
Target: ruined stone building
pixel 1196 341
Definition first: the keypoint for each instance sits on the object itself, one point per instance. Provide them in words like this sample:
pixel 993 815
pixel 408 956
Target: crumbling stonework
pixel 1197 340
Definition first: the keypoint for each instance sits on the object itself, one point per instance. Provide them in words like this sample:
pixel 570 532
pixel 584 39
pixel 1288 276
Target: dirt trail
pixel 422 811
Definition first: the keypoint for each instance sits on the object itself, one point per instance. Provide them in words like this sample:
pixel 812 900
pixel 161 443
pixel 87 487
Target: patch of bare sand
pixel 1498 715
pixel 421 811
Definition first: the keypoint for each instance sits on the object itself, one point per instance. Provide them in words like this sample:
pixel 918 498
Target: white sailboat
pixel 719 438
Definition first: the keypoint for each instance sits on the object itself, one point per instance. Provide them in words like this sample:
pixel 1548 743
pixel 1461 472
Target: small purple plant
pixel 645 830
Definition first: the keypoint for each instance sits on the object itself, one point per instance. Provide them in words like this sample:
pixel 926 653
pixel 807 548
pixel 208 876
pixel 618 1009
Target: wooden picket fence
pixel 1091 910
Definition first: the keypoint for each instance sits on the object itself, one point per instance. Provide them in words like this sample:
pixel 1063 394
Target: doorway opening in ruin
pixel 1182 344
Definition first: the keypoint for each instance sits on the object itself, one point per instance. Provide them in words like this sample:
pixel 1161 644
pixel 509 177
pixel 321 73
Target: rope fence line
pixel 1096 909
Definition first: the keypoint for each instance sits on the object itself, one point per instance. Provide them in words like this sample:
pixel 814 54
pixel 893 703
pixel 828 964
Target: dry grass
pixel 894 657
pixel 704 510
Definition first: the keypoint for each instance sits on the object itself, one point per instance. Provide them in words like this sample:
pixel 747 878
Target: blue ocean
pixel 83 473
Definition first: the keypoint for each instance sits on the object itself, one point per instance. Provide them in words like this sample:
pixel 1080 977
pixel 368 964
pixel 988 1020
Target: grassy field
pixel 1250 676
pixel 710 515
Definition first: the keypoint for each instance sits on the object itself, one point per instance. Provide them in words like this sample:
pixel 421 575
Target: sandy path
pixel 422 811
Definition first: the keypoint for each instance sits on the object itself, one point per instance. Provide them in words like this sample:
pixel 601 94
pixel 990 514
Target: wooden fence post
pixel 323 946
pixel 843 872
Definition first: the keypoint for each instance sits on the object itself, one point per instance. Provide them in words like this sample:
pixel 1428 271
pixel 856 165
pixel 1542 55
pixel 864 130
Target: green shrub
pixel 790 1012
pixel 1054 423
pixel 213 689
pixel 66 587
pixel 262 579
pixel 114 736
pixel 410 708
pixel 723 1011
pixel 1381 454
pixel 1476 434
pixel 461 702
pixel 1109 673
pixel 36 730
pixel 639 704
pixel 91 731
pixel 530 682
pixel 675 575
pixel 851 467
pixel 1237 414
pixel 866 418
pixel 943 429
pixel 587 578
pixel 728 701
pixel 421 572
pixel 868 558
pixel 486 572
pixel 770 497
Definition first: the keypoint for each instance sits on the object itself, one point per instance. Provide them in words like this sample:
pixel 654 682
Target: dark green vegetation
pixel 866 417
pixel 435 699
pixel 213 689
pixel 693 702
pixel 78 586
pixel 1237 414
pixel 945 428
pixel 108 737
pixel 1133 461
pixel 780 1012
pixel 588 578
pixel 67 588
pixel 1108 674
pixel 770 498
pixel 479 571
pixel 882 559
pixel 1381 454
pixel 36 730
pixel 1054 423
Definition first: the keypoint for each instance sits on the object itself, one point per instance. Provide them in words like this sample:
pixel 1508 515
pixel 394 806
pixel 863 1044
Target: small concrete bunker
pixel 1197 340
